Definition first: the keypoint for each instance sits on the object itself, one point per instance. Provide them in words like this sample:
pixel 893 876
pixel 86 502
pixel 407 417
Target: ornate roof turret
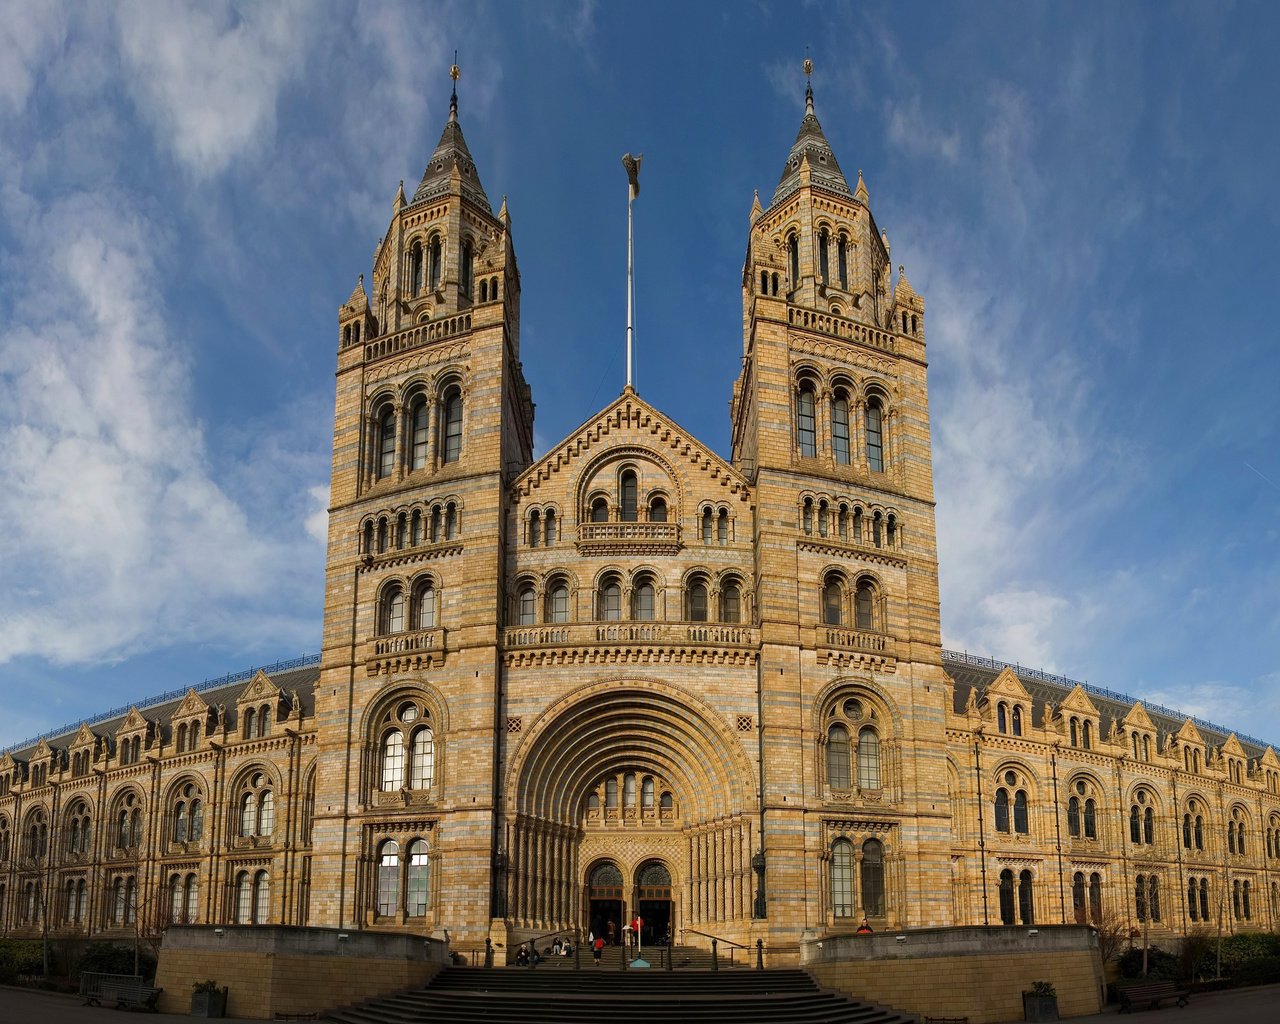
pixel 451 154
pixel 811 142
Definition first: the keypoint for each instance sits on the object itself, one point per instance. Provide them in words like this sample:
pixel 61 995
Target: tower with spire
pixel 830 423
pixel 433 418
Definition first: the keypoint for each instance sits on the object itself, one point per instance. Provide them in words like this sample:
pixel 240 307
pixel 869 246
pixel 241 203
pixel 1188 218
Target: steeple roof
pixel 811 142
pixel 451 152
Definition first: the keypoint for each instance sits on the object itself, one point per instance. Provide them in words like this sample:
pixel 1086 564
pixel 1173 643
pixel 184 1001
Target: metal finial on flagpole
pixel 455 73
pixel 632 164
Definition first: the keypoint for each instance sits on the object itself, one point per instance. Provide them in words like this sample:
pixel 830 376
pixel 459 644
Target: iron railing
pixel 306 661
pixel 1098 691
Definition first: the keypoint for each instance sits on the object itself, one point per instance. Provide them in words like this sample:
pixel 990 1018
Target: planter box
pixel 1039 1008
pixel 214 1004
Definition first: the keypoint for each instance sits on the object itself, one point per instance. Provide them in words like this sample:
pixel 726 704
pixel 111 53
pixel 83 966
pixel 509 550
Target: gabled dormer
pixel 133 737
pixel 1082 719
pixel 1268 767
pixel 1233 761
pixel 259 706
pixel 43 762
pixel 189 723
pixel 10 773
pixel 83 749
pixel 1007 704
pixel 1139 733
pixel 1189 745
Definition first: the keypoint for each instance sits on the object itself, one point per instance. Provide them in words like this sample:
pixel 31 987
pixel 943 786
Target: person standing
pixel 597 948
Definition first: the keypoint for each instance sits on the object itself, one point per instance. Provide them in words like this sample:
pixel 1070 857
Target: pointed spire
pixel 451 154
pixel 860 193
pixel 503 215
pixel 401 202
pixel 812 143
pixel 756 208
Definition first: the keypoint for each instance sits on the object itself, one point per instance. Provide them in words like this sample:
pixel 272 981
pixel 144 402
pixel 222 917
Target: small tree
pixel 1112 933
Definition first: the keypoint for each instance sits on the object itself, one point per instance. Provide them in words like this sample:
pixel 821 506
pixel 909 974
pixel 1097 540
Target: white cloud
pixel 317 523
pixel 208 76
pixel 29 34
pixel 121 537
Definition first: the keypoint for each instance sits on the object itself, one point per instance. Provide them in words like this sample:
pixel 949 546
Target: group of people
pixel 528 956
pixel 631 934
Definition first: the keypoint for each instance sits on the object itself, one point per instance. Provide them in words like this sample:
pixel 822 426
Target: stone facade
pixel 632 674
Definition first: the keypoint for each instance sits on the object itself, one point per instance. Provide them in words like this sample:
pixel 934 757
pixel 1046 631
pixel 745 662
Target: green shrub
pixel 1262 971
pixel 20 956
pixel 110 958
pixel 1238 950
pixel 1161 966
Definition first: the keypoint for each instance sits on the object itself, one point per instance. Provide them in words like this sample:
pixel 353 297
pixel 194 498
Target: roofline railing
pixel 979 661
pixel 306 661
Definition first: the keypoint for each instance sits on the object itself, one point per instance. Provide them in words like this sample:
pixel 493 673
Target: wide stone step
pixel 535 996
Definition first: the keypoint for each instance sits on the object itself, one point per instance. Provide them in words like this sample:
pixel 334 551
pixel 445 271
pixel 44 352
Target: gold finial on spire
pixel 808 82
pixel 455 72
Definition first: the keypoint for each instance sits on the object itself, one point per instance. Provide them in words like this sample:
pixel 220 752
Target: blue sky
pixel 1085 195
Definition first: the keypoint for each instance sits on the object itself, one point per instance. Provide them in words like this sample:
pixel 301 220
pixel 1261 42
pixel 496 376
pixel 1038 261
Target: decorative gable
pixel 1232 747
pixel 1078 701
pixel 192 705
pixel 632 420
pixel 1188 733
pixel 1007 684
pixel 1137 718
pixel 84 737
pixel 260 688
pixel 133 722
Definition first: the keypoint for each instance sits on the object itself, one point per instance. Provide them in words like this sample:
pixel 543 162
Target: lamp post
pixel 760 910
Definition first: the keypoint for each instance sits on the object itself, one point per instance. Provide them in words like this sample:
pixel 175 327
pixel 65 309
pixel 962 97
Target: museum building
pixel 633 675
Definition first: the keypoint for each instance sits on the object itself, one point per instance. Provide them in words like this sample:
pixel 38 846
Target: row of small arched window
pixel 840 522
pixel 636 599
pixel 424 266
pixel 409 529
pixel 858 604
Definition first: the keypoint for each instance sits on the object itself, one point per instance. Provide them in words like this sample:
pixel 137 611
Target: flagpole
pixel 632 164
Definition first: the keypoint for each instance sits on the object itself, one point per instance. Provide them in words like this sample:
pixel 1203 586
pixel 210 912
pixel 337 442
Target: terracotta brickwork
pixel 633 674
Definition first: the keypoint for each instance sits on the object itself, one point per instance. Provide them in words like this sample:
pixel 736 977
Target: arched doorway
pixel 653 902
pixel 604 901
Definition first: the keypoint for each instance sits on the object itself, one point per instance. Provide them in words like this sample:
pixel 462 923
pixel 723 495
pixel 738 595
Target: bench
pixel 121 991
pixel 1150 995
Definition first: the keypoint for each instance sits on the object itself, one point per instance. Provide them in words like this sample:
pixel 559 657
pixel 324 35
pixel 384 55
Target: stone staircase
pixel 561 995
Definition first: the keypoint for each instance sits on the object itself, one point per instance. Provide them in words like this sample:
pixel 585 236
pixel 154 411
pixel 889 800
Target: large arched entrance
pixel 654 904
pixel 626 798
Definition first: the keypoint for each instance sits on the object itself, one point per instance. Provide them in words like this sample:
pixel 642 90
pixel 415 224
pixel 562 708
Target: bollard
pixel 622 955
pixel 715 959
pixel 759 954
pixel 488 951
pixel 668 951
pixel 577 949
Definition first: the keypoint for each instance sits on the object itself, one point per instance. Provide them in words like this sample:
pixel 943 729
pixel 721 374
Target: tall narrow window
pixel 418 880
pixel 697 602
pixel 416 269
pixel 393 614
pixel 244 898
pixel 558 603
pixel 646 793
pixel 658 510
pixel 453 424
pixel 1078 897
pixel 1020 823
pixel 1002 717
pixel 425 609
pixel 1017 720
pixel 418 426
pixel 627 486
pixel 875 437
pixel 465 271
pixel 864 606
pixel 422 759
pixel 840 428
pixel 1006 897
pixel 610 609
pixel 526 606
pixel 388 878
pixel 549 527
pixel 191 893
pixel 838 757
pixel 868 758
pixel 1073 817
pixel 1095 898
pixel 386 443
pixel 392 761
pixel 722 527
pixel 1026 902
pixel 731 603
pixel 642 600
pixel 842 904
pixel 793 253
pixel 832 602
pixel 600 511
pixel 535 528
pixel 824 263
pixel 1002 811
pixel 435 263
pixel 1090 819
pixel 262 898
pixel 873 878
pixel 842 262
pixel 806 434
